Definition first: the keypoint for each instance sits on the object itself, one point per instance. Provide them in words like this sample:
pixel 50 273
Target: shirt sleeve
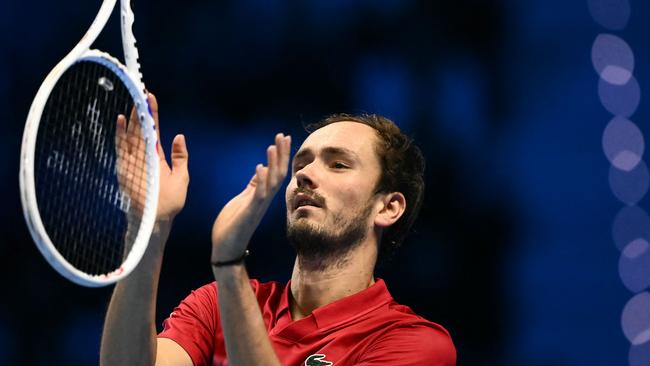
pixel 192 324
pixel 410 346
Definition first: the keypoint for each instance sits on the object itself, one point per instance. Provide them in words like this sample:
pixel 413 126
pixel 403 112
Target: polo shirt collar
pixel 340 311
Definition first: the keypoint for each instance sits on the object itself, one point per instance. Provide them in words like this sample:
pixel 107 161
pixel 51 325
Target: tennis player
pixel 356 187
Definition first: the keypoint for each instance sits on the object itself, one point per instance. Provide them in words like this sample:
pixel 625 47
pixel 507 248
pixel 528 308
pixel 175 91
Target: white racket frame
pixel 132 78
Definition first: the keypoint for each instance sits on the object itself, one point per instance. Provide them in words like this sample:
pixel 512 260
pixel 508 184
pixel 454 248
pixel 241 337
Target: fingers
pixel 268 179
pixel 121 147
pixel 272 159
pixel 284 150
pixel 280 158
pixel 261 173
pixel 179 155
pixel 133 117
pixel 120 135
pixel 153 109
pixel 134 133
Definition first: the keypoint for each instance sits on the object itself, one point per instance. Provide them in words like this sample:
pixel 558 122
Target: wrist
pixel 229 276
pixel 227 251
pixel 162 226
pixel 230 262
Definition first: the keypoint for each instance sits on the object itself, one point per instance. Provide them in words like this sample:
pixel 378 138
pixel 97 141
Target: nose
pixel 305 177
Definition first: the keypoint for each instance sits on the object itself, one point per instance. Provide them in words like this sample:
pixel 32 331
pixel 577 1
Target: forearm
pixel 247 341
pixel 246 338
pixel 129 336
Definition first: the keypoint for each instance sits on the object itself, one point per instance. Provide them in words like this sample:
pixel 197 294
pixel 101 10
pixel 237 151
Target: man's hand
pixel 129 336
pixel 130 156
pixel 247 342
pixel 239 218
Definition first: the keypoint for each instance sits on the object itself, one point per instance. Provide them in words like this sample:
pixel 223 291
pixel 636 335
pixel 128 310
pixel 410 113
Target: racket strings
pixel 90 176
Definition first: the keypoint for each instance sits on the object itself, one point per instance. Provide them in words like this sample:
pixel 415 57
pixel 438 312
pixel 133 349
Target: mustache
pixel 320 200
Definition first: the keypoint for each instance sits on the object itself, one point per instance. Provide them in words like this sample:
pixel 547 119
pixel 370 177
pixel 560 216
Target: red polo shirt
pixel 367 328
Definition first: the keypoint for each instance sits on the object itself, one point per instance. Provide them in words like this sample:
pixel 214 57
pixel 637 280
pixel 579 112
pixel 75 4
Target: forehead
pixel 354 136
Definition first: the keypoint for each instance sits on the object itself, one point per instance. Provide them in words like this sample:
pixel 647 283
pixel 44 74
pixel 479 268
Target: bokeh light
pixel 623 143
pixel 636 319
pixel 639 355
pixel 76 341
pixel 620 100
pixel 631 223
pixel 460 84
pixel 634 265
pixel 611 14
pixel 629 187
pixel 7 343
pixel 613 59
pixel 383 85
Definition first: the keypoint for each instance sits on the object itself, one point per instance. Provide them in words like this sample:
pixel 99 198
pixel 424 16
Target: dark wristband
pixel 232 261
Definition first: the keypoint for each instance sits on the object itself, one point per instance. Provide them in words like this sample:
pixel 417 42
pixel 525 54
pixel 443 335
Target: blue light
pixel 329 16
pixel 7 344
pixel 383 86
pixel 81 338
pixel 223 161
pixel 460 102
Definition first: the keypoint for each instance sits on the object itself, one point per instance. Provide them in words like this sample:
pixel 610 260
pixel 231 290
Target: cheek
pixel 354 197
pixel 349 198
pixel 356 188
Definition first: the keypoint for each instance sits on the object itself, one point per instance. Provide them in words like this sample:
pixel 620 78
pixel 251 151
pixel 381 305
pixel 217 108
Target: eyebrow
pixel 330 150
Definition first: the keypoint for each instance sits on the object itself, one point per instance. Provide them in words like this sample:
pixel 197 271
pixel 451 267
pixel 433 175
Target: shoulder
pixel 205 293
pixel 209 292
pixel 208 295
pixel 263 288
pixel 204 300
pixel 408 317
pixel 409 339
pixel 412 343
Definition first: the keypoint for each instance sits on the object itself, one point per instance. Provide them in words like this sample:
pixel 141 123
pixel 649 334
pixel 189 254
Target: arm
pixel 247 341
pixel 129 336
pixel 246 337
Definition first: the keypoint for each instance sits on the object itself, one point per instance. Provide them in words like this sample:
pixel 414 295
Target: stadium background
pixel 512 252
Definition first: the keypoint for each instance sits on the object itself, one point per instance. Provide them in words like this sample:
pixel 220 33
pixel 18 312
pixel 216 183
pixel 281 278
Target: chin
pixel 303 214
pixel 305 222
pixel 302 220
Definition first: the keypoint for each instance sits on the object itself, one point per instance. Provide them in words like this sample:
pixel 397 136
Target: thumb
pixel 179 153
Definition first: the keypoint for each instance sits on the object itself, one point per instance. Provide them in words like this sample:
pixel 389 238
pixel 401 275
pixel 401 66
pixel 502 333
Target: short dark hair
pixel 402 170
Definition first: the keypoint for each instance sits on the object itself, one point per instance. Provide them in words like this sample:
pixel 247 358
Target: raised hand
pixel 131 168
pixel 239 218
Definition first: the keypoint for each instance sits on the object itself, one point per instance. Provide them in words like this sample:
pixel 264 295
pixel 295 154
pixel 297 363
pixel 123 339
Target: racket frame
pixel 131 78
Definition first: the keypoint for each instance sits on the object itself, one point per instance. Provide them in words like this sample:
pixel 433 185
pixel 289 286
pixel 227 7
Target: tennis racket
pixel 89 180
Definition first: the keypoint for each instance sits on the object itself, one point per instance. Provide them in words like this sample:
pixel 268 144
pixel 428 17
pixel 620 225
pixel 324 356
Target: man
pixel 356 186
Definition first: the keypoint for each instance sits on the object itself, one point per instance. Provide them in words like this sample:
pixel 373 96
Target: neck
pixel 313 288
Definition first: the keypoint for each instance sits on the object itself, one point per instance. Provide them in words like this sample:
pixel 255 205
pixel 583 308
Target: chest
pixel 338 347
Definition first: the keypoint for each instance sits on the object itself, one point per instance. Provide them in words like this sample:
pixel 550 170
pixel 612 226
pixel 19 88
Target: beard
pixel 320 248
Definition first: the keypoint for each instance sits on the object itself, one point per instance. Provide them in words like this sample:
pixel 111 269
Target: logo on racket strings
pixel 75 160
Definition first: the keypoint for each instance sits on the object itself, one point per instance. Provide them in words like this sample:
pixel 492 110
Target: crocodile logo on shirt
pixel 317 360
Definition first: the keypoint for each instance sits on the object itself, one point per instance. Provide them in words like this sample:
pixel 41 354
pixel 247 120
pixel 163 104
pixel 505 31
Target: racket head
pixel 90 225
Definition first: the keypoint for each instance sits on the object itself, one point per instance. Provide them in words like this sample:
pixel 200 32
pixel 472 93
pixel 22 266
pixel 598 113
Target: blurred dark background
pixel 512 252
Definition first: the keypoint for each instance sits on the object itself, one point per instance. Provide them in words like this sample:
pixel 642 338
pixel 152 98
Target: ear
pixel 392 207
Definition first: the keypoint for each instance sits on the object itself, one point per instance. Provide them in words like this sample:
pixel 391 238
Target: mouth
pixel 302 200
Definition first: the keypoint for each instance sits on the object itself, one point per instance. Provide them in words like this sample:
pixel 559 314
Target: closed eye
pixel 339 165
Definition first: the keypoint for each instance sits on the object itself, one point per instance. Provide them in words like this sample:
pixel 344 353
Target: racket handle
pixel 128 42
